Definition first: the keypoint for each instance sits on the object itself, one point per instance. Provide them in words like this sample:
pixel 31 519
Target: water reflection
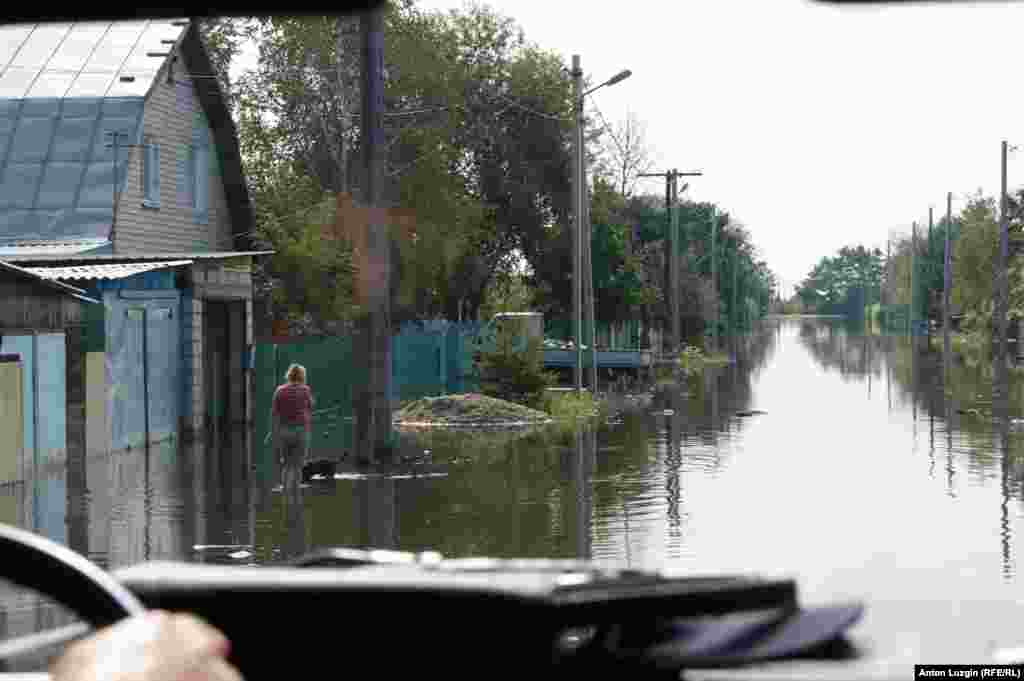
pixel 835 483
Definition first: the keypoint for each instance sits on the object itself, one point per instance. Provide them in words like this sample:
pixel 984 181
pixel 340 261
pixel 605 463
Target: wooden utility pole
pixel 1002 280
pixel 672 247
pixel 673 261
pixel 669 272
pixel 947 279
pixel 373 411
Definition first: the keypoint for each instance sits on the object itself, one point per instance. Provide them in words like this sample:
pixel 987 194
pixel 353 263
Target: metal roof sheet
pixel 64 90
pixel 63 288
pixel 51 248
pixel 84 59
pixel 104 271
pixel 130 257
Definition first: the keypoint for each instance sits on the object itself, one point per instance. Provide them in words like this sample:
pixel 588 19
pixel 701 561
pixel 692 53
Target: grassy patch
pixel 467 409
pixel 570 411
pixel 570 406
pixel 692 360
pixel 972 346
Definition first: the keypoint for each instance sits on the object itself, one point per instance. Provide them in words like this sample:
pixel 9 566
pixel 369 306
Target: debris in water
pixel 750 412
pixel 205 547
pixel 239 555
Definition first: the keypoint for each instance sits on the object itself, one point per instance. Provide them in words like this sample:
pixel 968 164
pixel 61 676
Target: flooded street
pixel 860 479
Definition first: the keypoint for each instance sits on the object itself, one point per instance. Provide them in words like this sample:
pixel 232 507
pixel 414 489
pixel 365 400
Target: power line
pixel 533 111
pixel 608 129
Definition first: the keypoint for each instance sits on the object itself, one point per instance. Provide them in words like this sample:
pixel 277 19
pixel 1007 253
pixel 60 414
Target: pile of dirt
pixel 471 409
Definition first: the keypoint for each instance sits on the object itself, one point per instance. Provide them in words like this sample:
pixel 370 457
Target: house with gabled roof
pixel 120 175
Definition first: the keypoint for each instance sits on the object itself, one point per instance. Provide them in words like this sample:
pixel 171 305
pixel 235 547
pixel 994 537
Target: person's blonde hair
pixel 296 374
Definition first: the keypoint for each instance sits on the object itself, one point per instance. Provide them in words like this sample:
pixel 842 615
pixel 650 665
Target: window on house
pixel 200 182
pixel 151 175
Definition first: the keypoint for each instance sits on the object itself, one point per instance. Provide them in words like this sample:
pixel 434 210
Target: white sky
pixel 817 126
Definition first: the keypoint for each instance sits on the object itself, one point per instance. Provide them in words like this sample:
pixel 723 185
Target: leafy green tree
pixel 844 283
pixel 477 139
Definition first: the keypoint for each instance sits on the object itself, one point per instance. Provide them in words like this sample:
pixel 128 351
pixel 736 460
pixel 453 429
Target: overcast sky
pixel 817 126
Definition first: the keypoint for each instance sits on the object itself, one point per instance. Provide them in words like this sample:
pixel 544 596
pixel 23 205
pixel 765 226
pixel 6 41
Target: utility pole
pixel 577 182
pixel 947 279
pixel 928 266
pixel 735 298
pixel 714 278
pixel 373 413
pixel 888 273
pixel 672 246
pixel 588 281
pixel 581 215
pixel 913 264
pixel 1002 281
pixel 673 261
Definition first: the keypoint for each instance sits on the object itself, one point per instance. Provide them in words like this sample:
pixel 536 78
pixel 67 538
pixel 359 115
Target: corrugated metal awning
pixel 29 249
pixel 135 257
pixel 63 288
pixel 104 271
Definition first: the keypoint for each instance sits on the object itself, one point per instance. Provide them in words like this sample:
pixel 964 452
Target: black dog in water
pixel 324 467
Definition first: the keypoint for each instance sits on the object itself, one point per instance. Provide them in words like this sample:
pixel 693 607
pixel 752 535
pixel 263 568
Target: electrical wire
pixel 609 130
pixel 533 111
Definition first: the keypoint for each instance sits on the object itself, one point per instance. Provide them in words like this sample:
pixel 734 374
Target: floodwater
pixel 861 479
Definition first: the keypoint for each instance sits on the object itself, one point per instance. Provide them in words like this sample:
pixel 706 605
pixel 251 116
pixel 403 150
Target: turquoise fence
pixel 427 358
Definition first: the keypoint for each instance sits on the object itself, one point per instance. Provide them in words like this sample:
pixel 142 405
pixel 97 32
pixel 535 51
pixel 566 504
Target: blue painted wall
pixel 44 393
pixel 51 436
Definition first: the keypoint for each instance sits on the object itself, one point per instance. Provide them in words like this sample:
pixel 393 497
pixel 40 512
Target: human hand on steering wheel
pixel 128 642
pixel 155 646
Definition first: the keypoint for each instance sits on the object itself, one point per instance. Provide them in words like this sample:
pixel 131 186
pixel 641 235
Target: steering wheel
pixel 57 572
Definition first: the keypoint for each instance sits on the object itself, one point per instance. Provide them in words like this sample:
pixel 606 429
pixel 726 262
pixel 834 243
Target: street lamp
pixel 579 202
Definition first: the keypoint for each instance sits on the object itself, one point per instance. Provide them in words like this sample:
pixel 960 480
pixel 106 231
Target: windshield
pixel 717 287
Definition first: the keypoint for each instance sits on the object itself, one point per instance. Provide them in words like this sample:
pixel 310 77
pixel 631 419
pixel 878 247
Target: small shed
pixel 41 373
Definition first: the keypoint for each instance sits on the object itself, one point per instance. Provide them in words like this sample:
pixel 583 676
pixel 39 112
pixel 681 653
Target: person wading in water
pixel 290 422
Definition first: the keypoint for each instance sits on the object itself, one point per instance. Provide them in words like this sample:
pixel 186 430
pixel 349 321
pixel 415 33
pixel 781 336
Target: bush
pixel 692 360
pixel 515 375
pixel 568 406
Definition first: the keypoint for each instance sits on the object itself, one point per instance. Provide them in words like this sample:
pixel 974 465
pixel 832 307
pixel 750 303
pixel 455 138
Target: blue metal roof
pixel 62 88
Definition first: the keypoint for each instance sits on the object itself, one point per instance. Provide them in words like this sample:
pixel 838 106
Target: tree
pixel 513 373
pixel 478 139
pixel 625 154
pixel 844 283
pixel 222 37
